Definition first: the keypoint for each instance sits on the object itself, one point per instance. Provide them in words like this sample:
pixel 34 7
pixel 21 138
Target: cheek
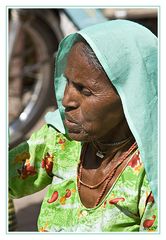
pixel 91 117
pixel 95 110
pixel 101 116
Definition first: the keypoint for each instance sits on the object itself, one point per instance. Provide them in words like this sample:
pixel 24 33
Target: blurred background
pixel 34 35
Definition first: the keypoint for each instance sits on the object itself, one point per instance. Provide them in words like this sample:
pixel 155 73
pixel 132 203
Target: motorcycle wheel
pixel 30 77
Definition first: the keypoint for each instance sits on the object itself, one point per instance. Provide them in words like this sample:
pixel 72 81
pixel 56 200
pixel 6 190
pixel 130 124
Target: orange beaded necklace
pixel 107 178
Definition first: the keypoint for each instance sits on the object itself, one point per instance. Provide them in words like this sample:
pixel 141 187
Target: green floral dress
pixel 49 158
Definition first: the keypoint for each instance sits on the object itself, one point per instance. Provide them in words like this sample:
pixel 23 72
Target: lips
pixel 69 119
pixel 71 125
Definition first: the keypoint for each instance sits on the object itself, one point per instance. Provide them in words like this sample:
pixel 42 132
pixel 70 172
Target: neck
pixel 103 146
pixel 117 138
pixel 112 155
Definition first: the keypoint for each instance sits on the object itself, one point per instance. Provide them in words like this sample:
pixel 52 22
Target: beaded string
pixel 94 186
pixel 108 177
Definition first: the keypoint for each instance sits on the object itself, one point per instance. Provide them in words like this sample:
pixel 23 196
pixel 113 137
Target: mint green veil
pixel 128 53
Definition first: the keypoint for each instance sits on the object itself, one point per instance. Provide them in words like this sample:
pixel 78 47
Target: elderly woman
pixel 98 150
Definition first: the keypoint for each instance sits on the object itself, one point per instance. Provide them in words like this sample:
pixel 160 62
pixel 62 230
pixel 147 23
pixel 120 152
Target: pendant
pixel 99 154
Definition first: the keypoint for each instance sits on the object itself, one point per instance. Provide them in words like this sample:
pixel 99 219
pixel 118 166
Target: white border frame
pixel 3 102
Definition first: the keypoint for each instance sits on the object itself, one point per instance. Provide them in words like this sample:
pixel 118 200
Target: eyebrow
pixel 74 82
pixel 77 83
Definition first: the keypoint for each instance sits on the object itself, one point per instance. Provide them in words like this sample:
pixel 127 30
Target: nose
pixel 70 99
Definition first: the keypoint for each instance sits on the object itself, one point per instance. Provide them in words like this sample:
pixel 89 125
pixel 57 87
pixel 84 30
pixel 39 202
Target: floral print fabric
pixel 49 158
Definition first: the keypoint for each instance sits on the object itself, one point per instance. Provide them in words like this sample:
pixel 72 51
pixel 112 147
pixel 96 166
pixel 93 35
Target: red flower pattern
pixel 47 163
pixel 116 200
pixel 134 160
pixel 26 170
pixel 149 222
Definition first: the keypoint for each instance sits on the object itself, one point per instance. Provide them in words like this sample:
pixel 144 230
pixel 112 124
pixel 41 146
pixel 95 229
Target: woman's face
pixel 93 109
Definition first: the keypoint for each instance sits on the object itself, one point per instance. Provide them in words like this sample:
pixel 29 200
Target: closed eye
pixel 79 87
pixel 83 90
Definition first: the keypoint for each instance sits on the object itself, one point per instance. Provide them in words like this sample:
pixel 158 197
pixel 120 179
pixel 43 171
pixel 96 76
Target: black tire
pixel 37 77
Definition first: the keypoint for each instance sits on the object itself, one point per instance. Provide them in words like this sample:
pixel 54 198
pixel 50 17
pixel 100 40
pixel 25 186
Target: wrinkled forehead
pixel 83 63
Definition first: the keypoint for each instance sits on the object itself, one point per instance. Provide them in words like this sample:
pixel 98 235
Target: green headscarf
pixel 128 53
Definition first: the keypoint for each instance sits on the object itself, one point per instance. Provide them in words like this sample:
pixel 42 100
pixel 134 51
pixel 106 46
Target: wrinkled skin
pixel 93 113
pixel 93 109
